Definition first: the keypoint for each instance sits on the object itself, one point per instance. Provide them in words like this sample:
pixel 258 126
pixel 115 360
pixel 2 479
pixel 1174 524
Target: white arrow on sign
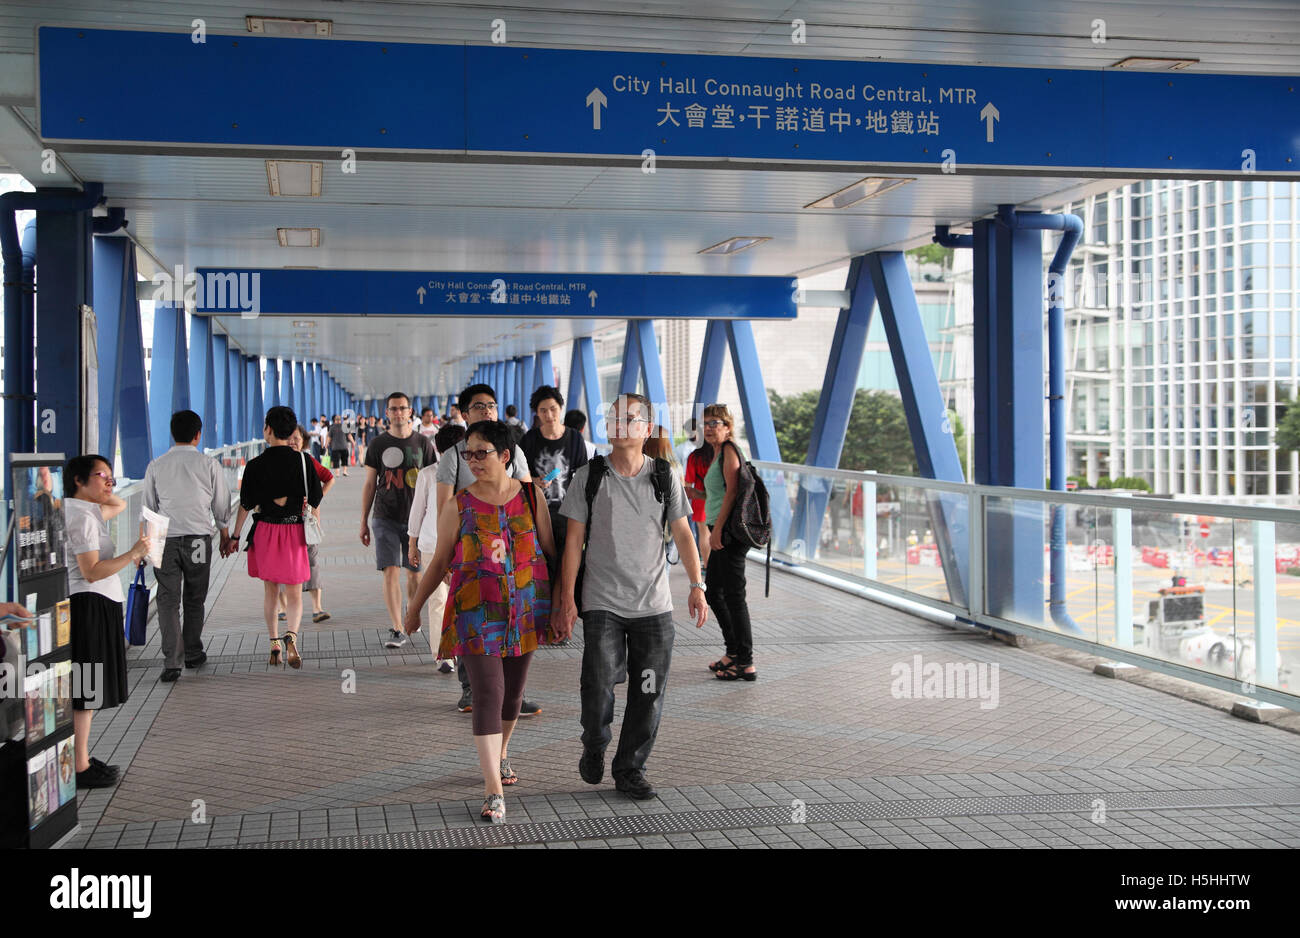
pixel 592 296
pixel 596 100
pixel 989 114
pixel 419 291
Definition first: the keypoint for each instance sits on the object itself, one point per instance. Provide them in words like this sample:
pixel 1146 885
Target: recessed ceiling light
pixel 303 323
pixel 860 191
pixel 294 177
pixel 285 26
pixel 734 245
pixel 1151 64
pixel 298 237
pixel 305 335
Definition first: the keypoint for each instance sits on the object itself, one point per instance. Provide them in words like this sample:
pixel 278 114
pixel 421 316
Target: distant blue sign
pixel 249 292
pixel 508 99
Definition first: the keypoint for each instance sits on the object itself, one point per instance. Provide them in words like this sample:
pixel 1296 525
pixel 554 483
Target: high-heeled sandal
pixel 291 646
pixel 494 809
pixel 508 776
pixel 719 666
pixel 276 653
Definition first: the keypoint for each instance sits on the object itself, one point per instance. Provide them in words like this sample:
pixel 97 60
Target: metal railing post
pixel 1265 605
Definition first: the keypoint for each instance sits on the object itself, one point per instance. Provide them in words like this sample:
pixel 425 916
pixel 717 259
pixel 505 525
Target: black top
pixel 397 461
pixel 278 473
pixel 557 459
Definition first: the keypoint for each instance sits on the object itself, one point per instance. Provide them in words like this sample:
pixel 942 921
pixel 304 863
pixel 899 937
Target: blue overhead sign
pixel 513 100
pixel 250 292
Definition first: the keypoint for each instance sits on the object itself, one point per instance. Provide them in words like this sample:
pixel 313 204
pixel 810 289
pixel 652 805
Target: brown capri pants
pixel 498 689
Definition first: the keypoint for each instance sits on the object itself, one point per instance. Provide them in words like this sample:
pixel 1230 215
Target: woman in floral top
pixel 495 543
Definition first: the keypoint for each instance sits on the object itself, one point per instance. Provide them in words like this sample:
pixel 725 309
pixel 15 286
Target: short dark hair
pixel 77 470
pixel 427 410
pixel 471 392
pixel 545 393
pixel 335 417
pixel 282 422
pixel 511 410
pixel 186 425
pixel 576 419
pixel 448 437
pixel 396 394
pixel 495 432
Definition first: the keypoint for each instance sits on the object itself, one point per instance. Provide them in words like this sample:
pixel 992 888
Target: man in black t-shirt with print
pixel 393 460
pixel 554 452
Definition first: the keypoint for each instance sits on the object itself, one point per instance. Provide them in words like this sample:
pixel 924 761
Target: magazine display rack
pixel 38 676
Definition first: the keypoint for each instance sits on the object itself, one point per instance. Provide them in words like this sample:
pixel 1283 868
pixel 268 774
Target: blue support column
pixel 629 372
pixel 527 385
pixel 300 405
pixel 221 387
pixel 318 383
pixel 237 407
pixel 584 384
pixel 508 389
pixel 63 258
pixel 653 373
pixel 926 411
pixel 753 392
pixel 711 360
pixel 271 388
pixel 1009 440
pixel 543 370
pixel 169 379
pixel 120 344
pixel 288 393
pixel 203 395
pixel 834 407
pixel 257 407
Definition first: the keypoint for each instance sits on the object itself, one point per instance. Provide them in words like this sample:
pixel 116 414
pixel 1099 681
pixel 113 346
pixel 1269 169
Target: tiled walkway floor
pixel 817 752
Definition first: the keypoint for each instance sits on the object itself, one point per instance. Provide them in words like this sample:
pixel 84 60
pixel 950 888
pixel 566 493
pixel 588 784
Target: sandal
pixel 494 809
pixel 295 659
pixel 276 653
pixel 736 672
pixel 508 776
pixel 320 616
pixel 719 666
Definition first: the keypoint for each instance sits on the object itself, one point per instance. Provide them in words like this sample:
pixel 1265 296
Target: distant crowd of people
pixel 508 534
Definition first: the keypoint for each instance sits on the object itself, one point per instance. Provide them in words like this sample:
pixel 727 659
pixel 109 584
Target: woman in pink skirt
pixel 279 484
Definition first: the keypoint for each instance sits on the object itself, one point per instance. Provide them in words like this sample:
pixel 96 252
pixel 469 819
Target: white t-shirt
pixel 422 523
pixel 87 530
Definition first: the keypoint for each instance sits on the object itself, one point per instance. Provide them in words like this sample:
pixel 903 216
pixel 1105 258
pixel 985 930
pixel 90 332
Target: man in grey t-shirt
pixel 627 608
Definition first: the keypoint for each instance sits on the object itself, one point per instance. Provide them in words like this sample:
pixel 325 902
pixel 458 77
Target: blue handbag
pixel 137 609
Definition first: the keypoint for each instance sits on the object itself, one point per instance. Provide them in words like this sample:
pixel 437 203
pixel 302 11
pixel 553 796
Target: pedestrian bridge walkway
pixel 826 749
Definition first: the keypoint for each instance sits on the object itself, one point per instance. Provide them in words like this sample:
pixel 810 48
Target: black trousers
pixel 725 592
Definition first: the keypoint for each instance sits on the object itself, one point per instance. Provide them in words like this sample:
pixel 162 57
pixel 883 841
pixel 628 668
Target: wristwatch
pixel 698 586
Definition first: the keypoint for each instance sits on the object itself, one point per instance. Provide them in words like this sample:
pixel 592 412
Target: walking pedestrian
pixel 190 489
pixel 696 467
pixel 338 443
pixel 98 646
pixel 393 462
pixel 422 530
pixel 725 574
pixel 281 487
pixel 495 537
pixel 455 474
pixel 554 453
pixel 577 420
pixel 626 609
pixel 312 587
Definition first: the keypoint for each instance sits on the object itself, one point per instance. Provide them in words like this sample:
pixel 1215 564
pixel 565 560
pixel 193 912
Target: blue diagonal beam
pixel 712 359
pixel 203 395
pixel 629 373
pixel 926 411
pixel 653 372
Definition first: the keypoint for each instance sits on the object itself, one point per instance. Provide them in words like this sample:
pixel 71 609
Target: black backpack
pixel 750 521
pixel 660 478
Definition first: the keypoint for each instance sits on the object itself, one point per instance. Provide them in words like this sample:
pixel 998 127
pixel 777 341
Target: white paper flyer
pixel 157 530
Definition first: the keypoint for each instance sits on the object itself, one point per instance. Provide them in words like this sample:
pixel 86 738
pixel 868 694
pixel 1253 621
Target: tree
pixel 877 437
pixel 933 254
pixel 1288 428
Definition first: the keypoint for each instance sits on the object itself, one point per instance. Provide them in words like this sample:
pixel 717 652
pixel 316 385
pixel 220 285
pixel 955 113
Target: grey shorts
pixel 391 543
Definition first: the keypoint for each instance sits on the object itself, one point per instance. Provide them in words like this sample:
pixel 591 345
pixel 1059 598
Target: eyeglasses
pixel 482 406
pixel 108 479
pixel 715 423
pixel 476 455
pixel 397 410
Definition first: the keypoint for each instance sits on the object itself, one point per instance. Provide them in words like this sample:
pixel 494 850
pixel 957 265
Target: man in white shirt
pixel 427 425
pixel 422 529
pixel 190 489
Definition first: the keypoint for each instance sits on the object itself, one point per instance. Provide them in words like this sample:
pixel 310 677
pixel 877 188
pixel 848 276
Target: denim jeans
pixel 616 648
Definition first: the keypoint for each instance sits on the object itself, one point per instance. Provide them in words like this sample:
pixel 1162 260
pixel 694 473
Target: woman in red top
pixel 697 467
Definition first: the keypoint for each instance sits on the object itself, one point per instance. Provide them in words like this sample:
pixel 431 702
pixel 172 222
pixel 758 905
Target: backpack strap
pixel 595 475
